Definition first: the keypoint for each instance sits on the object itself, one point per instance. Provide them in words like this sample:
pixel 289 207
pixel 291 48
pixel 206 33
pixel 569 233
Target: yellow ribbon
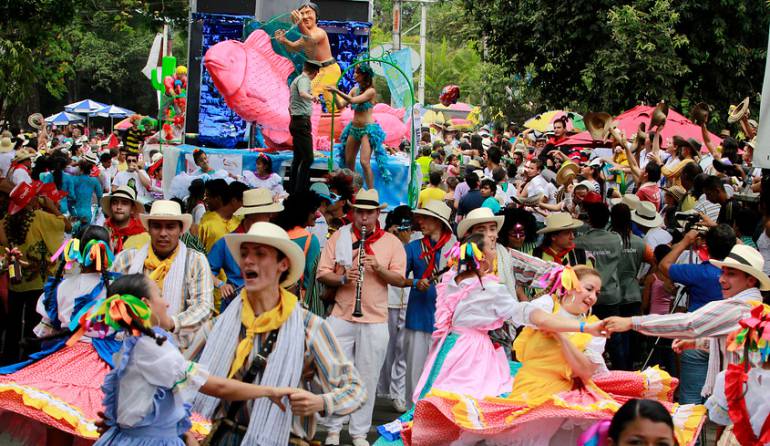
pixel 159 267
pixel 265 322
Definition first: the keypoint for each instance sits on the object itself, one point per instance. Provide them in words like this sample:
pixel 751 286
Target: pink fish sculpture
pixel 390 119
pixel 252 79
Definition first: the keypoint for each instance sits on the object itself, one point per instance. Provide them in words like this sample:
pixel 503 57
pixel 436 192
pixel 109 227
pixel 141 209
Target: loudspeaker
pixel 341 10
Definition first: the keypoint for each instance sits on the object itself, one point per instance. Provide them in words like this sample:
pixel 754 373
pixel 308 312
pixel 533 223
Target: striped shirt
pixel 716 319
pixel 197 302
pixel 341 386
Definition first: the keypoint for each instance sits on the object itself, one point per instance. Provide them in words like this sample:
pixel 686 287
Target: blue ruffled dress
pixel 376 138
pixel 168 414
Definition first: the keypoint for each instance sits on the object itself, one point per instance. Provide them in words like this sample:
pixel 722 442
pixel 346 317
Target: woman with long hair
pixel 265 177
pixel 362 134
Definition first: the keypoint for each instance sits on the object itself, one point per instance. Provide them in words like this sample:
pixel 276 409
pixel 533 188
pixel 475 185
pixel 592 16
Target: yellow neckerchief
pixel 159 267
pixel 265 322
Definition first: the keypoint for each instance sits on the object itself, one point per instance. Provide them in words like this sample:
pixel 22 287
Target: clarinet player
pixel 363 339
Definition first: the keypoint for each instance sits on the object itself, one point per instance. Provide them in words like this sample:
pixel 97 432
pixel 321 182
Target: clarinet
pixel 360 281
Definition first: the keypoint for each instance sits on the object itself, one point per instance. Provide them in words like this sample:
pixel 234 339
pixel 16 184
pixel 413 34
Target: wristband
pixel 415 282
pixel 582 326
pixel 343 279
pixel 221 284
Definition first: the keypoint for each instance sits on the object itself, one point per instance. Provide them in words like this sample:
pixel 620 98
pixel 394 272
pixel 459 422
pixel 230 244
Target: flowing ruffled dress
pixel 60 385
pixel 376 138
pixel 463 359
pixel 148 396
pixel 547 405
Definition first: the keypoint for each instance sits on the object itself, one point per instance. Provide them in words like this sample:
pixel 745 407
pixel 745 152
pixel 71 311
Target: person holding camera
pixel 702 282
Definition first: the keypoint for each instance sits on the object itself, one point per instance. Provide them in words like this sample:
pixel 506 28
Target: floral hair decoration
pixel 460 253
pixel 560 280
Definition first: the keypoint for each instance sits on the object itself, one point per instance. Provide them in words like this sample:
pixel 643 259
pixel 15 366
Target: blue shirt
pixel 85 187
pixel 421 308
pixel 492 203
pixel 220 259
pixel 701 280
pixel 66 186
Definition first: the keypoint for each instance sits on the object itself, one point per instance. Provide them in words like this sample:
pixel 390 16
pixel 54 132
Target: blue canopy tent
pixel 63 118
pixel 85 107
pixel 112 112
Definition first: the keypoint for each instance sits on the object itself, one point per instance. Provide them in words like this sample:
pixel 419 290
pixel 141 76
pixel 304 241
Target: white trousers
pixel 393 373
pixel 416 345
pixel 366 345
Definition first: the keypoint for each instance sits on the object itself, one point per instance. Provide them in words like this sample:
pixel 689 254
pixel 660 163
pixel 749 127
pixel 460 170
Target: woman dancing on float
pixel 561 389
pixel 362 133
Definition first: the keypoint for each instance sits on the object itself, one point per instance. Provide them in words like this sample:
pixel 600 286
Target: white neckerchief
pixel 343 251
pixel 173 283
pixel 268 424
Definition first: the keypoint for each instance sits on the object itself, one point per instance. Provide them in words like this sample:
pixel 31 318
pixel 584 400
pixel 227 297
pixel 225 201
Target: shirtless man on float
pixel 315 43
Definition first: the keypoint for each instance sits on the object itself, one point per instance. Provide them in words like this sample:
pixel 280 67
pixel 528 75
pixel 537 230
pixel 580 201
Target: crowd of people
pixel 533 293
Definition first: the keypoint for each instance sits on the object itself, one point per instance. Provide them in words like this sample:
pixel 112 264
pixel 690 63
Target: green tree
pixel 33 49
pixel 614 54
pixel 642 62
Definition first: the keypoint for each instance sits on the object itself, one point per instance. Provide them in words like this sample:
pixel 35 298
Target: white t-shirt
pixel 132 180
pixel 19 176
pixel 5 162
pixel 763 246
pixel 197 213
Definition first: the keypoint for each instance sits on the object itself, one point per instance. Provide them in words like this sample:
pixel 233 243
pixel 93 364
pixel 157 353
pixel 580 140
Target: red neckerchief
pixel 558 256
pixel 370 238
pixel 119 235
pixel 430 251
pixel 735 379
pixel 241 229
pixel 21 166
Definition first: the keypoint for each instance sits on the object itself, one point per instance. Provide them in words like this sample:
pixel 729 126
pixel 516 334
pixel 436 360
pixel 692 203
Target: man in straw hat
pixel 122 210
pixel 558 243
pixel 279 338
pixel 741 281
pixel 484 221
pixel 20 167
pixel 7 154
pixel 365 338
pixel 425 259
pixel 182 274
pixel 258 205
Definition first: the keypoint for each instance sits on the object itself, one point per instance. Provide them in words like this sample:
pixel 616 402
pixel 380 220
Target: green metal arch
pixel 412 193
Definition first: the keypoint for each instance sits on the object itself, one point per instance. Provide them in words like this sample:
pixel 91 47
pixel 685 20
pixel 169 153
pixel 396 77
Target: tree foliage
pixel 614 54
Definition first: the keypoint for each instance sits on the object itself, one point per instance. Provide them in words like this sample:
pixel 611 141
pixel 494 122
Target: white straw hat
pixel 436 209
pixel 258 201
pixel 559 221
pixel 166 210
pixel 122 192
pixel 478 216
pixel 746 259
pixel 368 199
pixel 264 233
pixel 646 215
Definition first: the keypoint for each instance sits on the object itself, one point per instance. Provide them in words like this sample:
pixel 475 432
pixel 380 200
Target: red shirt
pixel 650 192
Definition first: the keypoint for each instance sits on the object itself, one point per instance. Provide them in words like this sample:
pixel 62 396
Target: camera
pixel 688 221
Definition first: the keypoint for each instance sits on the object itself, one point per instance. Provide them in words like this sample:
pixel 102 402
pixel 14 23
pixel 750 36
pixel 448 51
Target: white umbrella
pixel 63 118
pixel 86 107
pixel 113 111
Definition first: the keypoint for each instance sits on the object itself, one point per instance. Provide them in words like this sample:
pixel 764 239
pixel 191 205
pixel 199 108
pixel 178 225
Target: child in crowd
pixel 637 422
pixel 147 395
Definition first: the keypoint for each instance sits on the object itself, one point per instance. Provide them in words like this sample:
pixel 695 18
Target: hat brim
pixel 185 219
pixel 764 281
pixel 429 213
pixel 272 208
pixel 529 201
pixel 574 225
pixel 468 223
pixel 567 172
pixel 287 247
pixel 654 223
pixel 106 208
pixel 366 206
pixel 6 149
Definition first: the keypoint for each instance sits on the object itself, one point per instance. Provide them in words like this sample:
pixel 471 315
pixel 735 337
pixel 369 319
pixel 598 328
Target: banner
pixel 762 151
pixel 399 86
